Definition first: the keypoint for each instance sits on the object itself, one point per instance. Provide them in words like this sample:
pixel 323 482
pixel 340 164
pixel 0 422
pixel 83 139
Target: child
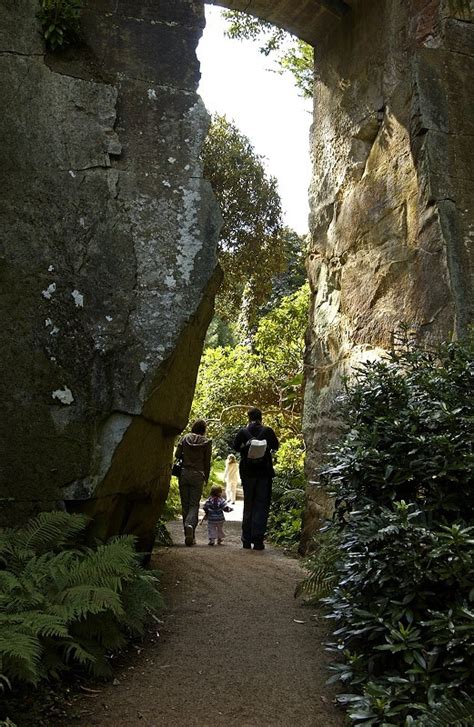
pixel 215 507
pixel 231 478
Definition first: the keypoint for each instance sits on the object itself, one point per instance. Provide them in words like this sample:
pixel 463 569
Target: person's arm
pixel 207 460
pixel 272 440
pixel 206 507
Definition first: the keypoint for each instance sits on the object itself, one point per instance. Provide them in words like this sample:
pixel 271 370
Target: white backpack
pixel 257 450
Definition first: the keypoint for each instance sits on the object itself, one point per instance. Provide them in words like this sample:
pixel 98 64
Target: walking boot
pixel 188 535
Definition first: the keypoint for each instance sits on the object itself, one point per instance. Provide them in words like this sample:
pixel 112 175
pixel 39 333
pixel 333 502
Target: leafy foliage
pixel 60 22
pixel 321 565
pixel 268 371
pixel 294 55
pixel 402 606
pixel 288 498
pixel 452 712
pixel 162 534
pixel 250 246
pixel 279 343
pixel 64 605
pixel 293 277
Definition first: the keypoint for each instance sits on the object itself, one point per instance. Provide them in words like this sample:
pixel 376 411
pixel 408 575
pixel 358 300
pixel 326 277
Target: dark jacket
pixel 256 431
pixel 194 451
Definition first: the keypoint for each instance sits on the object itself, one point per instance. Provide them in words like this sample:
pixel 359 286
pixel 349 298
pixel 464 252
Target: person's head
pixel 254 414
pixel 199 427
pixel 231 458
pixel 216 491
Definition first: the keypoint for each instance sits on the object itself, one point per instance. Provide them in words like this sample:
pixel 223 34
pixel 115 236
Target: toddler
pixel 231 478
pixel 215 507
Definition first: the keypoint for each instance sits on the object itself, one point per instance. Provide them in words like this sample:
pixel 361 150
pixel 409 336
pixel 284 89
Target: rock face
pixel 392 223
pixel 108 258
pixel 109 231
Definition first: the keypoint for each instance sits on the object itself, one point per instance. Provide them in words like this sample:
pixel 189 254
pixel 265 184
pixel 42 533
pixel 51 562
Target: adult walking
pixel 194 451
pixel 255 442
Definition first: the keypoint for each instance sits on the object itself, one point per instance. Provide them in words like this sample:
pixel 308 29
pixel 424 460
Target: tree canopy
pixel 267 371
pixel 251 248
pixel 292 54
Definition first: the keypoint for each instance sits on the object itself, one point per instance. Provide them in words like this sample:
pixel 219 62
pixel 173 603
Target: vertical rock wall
pixel 107 258
pixel 392 220
pixel 108 232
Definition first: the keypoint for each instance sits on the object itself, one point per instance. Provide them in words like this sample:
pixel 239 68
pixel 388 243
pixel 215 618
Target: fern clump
pixel 64 605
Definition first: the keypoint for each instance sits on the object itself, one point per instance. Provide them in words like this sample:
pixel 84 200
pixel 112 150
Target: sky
pixel 265 106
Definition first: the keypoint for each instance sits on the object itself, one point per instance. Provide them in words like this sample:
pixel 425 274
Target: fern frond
pixel 317 584
pixel 21 655
pixel 49 531
pixel 163 536
pixel 140 598
pixel 99 665
pixel 4 683
pixel 321 566
pixel 8 581
pixel 36 623
pixel 454 712
pixel 7 538
pixel 76 652
pixel 82 600
pixel 108 562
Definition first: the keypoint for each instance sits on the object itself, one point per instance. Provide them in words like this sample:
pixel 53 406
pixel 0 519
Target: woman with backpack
pixel 194 452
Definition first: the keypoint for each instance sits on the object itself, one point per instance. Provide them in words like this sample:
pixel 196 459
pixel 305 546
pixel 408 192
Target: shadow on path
pixel 230 650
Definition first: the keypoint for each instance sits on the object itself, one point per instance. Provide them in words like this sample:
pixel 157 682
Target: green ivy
pixel 60 22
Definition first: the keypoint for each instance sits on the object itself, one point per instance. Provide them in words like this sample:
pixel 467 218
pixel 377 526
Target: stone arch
pixel 310 20
pixel 109 231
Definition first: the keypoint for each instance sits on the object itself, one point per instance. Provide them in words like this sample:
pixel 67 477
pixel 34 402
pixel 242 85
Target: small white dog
pixel 231 478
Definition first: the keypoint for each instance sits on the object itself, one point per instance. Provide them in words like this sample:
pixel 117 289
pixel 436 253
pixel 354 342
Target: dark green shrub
pixel 63 605
pixel 402 479
pixel 60 22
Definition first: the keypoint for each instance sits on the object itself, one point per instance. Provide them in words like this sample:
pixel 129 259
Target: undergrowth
pixel 399 562
pixel 64 605
pixel 286 511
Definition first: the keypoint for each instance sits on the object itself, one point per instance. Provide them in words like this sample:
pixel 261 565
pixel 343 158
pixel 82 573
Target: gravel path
pixel 231 651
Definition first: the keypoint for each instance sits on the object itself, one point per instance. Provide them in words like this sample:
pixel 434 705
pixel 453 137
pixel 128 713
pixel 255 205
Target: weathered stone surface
pixel 107 256
pixel 108 253
pixel 391 218
pixel 19 33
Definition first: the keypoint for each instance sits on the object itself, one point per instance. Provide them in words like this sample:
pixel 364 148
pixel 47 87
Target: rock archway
pixel 310 20
pixel 109 231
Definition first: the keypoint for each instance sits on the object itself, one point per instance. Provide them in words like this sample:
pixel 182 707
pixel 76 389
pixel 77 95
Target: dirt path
pixel 230 651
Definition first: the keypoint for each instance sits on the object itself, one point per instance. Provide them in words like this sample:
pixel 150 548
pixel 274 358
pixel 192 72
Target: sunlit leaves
pixel 292 54
pixel 251 248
